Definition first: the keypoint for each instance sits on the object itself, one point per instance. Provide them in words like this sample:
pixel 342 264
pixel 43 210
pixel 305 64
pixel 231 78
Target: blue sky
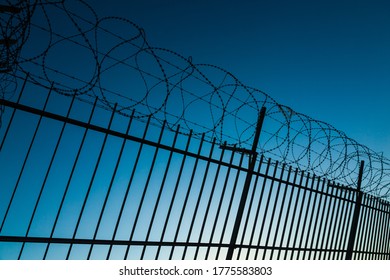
pixel 327 59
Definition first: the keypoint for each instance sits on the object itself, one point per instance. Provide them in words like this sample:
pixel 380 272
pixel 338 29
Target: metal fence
pixel 85 183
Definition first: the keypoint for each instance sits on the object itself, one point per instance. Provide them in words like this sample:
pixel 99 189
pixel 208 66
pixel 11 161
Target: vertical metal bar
pixel 251 240
pixel 366 228
pixel 266 208
pixel 299 220
pixel 220 202
pixel 378 239
pixel 344 221
pixel 362 228
pixel 293 186
pixel 331 228
pixel 13 113
pixel 25 161
pixel 293 215
pixel 125 197
pixel 211 197
pixel 174 194
pixel 46 176
pixel 279 219
pixel 349 222
pixel 184 207
pixel 273 213
pixel 329 198
pixel 317 217
pixel 162 186
pixel 384 227
pixel 336 226
pixel 381 233
pixel 377 224
pixel 387 235
pixel 379 247
pixel 311 191
pixel 69 180
pixel 356 214
pixel 371 227
pixel 111 184
pixel 91 182
pixel 378 244
pixel 234 191
pixel 314 213
pixel 199 198
pixel 247 183
pixel 146 187
pixel 252 196
pixel 321 210
pixel 371 237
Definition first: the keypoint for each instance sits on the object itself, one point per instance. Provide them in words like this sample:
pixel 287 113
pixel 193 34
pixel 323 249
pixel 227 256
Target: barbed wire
pixel 66 46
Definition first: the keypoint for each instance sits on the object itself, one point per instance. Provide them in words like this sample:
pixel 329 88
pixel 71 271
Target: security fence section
pixel 81 182
pixel 111 148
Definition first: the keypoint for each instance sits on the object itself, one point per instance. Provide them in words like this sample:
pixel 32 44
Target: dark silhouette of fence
pixel 84 184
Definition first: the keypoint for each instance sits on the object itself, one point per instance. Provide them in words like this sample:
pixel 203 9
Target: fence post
pixel 356 214
pixel 245 190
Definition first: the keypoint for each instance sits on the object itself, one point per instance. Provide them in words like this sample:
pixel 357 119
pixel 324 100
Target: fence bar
pixel 279 220
pixel 25 161
pixel 198 200
pixel 46 176
pixel 273 213
pixel 387 228
pixel 296 202
pixel 69 180
pixel 336 227
pixel 246 187
pixel 345 212
pixel 356 214
pixel 369 227
pixel 217 215
pixel 324 222
pixel 313 213
pixel 362 229
pixel 126 195
pixel 184 207
pixel 374 227
pixel 287 213
pixel 91 182
pixel 162 188
pixel 189 137
pixel 268 164
pixel 146 187
pixel 234 191
pixel 13 113
pixel 299 220
pixel 111 183
pixel 211 198
pixel 320 217
pixel 382 233
pixel 266 208
pixel 306 217
pixel 378 224
pixel 251 204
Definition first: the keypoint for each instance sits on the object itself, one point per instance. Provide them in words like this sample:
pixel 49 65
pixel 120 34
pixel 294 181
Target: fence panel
pixel 85 183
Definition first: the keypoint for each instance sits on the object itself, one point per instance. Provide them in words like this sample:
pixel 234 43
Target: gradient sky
pixel 328 59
